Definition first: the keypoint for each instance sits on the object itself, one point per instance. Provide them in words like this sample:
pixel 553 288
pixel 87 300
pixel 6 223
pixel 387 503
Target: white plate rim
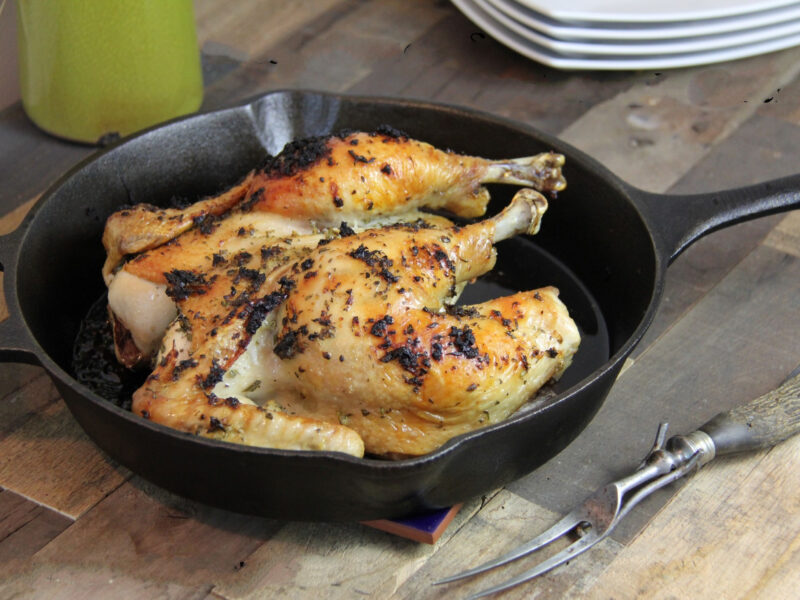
pixel 646 31
pixel 648 11
pixel 679 46
pixel 541 55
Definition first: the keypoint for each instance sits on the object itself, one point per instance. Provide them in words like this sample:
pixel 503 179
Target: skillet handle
pixel 677 221
pixel 16 343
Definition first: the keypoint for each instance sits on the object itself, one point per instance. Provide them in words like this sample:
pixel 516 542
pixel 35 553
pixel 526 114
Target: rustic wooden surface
pixel 75 525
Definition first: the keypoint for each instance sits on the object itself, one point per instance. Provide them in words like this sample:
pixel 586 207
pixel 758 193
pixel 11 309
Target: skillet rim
pixel 375 466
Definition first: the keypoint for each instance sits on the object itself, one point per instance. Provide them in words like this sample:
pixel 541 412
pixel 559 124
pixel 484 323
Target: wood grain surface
pixel 73 524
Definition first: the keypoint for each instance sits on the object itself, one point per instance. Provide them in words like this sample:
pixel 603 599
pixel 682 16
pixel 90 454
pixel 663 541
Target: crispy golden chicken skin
pixel 360 179
pixel 355 177
pixel 314 309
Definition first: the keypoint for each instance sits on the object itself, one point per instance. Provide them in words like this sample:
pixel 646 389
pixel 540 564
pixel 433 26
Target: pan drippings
pixel 93 361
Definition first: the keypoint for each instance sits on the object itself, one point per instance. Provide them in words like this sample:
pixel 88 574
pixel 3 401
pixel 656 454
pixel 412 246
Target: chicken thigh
pixel 352 344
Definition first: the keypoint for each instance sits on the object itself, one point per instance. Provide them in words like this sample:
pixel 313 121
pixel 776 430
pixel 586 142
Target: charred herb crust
pixel 257 311
pixel 377 260
pixel 380 326
pixel 214 424
pixel 464 341
pixel 389 131
pixel 206 223
pixel 189 363
pixel 358 158
pixel 462 311
pixel 214 376
pixel 183 283
pixel 288 345
pixel 298 155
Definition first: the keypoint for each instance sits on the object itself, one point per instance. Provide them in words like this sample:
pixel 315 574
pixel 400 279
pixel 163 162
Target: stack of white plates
pixel 637 34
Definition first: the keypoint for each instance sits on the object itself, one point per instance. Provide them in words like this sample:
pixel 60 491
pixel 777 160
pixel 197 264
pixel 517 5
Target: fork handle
pixel 761 423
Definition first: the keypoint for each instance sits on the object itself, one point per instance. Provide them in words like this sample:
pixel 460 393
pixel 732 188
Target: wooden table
pixel 74 524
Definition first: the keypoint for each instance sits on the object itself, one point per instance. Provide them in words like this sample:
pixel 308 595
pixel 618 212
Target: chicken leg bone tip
pixel 523 215
pixel 542 172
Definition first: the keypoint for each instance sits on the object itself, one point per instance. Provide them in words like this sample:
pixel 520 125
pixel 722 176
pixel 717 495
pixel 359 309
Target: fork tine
pixel 576 548
pixel 568 523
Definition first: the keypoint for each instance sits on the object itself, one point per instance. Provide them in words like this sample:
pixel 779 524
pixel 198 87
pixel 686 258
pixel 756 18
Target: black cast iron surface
pixel 606 244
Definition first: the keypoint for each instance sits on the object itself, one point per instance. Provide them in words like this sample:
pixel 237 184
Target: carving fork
pixel 760 423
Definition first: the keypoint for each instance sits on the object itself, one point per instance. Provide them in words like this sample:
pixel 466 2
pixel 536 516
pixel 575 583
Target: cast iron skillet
pixel 604 243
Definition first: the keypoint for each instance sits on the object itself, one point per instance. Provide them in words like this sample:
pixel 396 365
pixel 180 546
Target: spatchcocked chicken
pixel 312 306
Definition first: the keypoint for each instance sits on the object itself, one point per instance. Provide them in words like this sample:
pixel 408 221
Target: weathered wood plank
pixel 142 542
pixel 453 62
pixel 331 52
pixel 733 533
pixel 761 149
pixel 695 272
pixel 11 220
pixel 45 456
pixel 44 157
pixel 783 103
pixel 654 133
pixel 334 560
pixel 733 345
pixel 786 236
pixel 25 527
pixel 393 74
pixel 8 223
pixel 252 26
pixel 12 378
pixel 29 391
pixel 3 306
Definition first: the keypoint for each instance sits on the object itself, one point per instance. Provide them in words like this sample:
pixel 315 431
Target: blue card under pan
pixel 424 527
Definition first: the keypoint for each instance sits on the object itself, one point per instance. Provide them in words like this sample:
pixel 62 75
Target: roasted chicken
pixel 314 185
pixel 312 305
